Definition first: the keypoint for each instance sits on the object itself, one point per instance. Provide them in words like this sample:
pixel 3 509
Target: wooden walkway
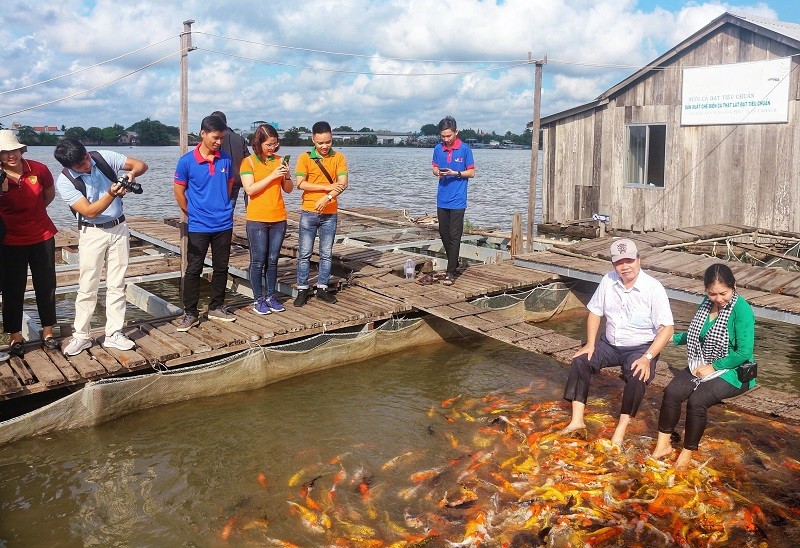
pixel 160 345
pixel 773 292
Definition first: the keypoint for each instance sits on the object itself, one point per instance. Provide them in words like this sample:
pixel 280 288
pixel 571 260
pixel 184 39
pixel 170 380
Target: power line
pixel 368 73
pixel 94 88
pixel 87 68
pixel 345 54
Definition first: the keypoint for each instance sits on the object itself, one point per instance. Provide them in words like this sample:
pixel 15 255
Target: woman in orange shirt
pixel 264 178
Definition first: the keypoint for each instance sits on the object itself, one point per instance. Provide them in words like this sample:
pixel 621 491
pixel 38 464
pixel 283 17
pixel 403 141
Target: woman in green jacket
pixel 719 342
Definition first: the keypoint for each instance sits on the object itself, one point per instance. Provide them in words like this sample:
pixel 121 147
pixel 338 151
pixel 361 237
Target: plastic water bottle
pixel 409 269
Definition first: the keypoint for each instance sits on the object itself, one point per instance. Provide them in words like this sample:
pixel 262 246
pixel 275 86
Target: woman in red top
pixel 27 189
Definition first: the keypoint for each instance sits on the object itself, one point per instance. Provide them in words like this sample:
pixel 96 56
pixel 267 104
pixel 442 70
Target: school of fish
pixel 514 481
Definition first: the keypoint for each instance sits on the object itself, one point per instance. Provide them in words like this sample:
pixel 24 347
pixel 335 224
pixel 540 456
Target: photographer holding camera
pixel 89 185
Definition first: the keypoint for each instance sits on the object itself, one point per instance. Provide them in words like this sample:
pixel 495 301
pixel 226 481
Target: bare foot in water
pixel 658 455
pixel 575 430
pixel 683 459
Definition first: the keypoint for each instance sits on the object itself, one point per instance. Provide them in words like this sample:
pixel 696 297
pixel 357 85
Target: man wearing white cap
pixel 638 325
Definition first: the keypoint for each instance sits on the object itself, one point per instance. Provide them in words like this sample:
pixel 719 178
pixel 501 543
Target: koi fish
pixel 262 480
pixel 227 529
pixel 451 401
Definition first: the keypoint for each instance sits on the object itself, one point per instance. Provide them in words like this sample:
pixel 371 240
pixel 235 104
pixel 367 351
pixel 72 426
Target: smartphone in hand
pixel 285 159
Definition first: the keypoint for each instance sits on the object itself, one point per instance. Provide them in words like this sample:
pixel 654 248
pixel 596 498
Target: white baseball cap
pixel 623 249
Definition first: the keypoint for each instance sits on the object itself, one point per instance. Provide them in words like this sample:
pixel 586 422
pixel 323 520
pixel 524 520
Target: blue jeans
pixel 265 241
pixel 310 223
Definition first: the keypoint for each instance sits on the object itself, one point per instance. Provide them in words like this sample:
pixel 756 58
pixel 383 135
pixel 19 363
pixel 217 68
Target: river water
pixel 380 451
pixel 398 178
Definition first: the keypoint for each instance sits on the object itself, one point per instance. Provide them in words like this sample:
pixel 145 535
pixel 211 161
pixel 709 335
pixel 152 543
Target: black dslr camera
pixel 134 187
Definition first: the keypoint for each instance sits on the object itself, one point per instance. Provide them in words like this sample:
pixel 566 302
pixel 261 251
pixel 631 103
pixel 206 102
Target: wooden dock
pixel 372 289
pixel 369 252
pixel 773 292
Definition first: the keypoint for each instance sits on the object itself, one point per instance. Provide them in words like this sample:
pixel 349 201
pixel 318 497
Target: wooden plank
pixel 211 333
pixel 62 364
pixel 18 366
pixel 129 359
pixel 107 360
pixel 162 338
pixel 9 384
pixel 197 345
pixel 239 333
pixel 43 368
pixel 86 366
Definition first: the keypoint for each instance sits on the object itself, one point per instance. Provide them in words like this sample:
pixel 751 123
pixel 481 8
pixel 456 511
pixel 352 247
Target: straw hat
pixel 9 142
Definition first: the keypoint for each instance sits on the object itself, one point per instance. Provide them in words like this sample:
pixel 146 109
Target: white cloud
pixel 43 40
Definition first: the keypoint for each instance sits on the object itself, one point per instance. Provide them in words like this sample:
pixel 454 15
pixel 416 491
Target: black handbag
pixel 747 372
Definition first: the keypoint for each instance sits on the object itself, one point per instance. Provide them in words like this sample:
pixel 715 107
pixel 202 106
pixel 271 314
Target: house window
pixel 645 153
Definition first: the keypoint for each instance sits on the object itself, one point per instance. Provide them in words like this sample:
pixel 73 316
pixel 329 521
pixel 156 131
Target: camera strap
pixel 324 171
pixel 80 186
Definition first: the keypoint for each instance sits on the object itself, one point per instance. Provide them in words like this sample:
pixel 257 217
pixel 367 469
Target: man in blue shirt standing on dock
pixel 454 165
pixel 202 187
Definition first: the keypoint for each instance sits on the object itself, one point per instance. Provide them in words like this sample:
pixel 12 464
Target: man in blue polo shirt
pixel 454 166
pixel 202 188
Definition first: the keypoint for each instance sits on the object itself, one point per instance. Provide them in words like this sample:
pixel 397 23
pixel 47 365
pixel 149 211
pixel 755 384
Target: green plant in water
pixel 469 225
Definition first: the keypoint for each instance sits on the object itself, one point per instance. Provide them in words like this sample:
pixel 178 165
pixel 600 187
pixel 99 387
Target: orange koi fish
pixel 228 528
pixel 262 480
pixel 451 401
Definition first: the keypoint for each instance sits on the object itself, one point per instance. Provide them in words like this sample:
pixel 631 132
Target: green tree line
pixel 154 133
pixel 148 132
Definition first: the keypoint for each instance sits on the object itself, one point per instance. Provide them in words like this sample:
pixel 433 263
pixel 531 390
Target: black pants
pixel 682 388
pixel 606 355
pixel 198 243
pixel 41 259
pixel 451 227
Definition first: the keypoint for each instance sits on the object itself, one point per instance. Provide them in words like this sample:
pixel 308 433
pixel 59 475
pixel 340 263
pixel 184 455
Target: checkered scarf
pixel 715 344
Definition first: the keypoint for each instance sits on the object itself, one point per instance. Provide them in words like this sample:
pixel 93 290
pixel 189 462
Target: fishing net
pixel 537 305
pixel 101 401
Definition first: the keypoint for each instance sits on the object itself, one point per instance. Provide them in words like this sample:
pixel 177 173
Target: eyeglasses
pixel 272 146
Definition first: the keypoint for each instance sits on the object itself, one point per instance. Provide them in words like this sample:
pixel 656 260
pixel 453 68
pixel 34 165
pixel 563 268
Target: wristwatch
pixel 330 196
pixel 649 356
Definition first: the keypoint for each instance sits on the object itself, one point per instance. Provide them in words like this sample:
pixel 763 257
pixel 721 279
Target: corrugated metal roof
pixel 790 30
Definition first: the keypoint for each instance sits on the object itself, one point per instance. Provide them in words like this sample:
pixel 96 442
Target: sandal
pixel 50 343
pixel 449 280
pixel 16 349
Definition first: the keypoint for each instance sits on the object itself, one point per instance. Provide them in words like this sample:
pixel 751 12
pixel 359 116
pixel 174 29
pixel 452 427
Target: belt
pixel 109 224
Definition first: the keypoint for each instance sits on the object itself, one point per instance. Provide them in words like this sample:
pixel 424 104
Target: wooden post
pixel 186 47
pixel 537 100
pixel 516 235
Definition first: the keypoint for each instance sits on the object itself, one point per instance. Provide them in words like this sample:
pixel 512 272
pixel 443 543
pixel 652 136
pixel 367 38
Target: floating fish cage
pixel 536 305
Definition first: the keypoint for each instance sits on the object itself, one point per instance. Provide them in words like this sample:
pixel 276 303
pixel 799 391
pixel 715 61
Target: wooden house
pixel 687 140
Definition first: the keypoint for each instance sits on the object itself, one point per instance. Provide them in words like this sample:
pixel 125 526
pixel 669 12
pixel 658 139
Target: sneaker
pixel 302 297
pixel 325 295
pixel 261 307
pixel 221 315
pixel 274 304
pixel 187 322
pixel 118 341
pixel 76 346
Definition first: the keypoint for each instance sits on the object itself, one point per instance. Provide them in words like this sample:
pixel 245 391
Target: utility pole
pixel 186 47
pixel 537 104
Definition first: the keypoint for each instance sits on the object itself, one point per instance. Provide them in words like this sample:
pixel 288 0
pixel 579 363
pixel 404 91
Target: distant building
pixel 708 133
pixel 52 130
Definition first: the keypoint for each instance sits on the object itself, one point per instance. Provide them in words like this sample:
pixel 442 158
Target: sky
pixel 381 64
